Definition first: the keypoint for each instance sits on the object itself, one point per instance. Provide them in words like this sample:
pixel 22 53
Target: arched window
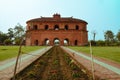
pixel 36 42
pixel 66 27
pixel 56 27
pixel 35 27
pixel 77 27
pixel 76 42
pixel 46 27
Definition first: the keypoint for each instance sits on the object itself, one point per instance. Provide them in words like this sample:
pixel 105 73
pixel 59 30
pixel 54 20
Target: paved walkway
pixel 106 70
pixel 7 67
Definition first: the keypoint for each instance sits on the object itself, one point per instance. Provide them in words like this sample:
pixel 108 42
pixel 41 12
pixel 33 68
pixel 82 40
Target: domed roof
pixel 56 18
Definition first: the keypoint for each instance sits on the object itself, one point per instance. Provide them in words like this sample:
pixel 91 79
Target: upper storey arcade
pixel 56 23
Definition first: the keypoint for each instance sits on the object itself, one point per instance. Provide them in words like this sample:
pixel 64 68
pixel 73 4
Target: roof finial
pixel 57 16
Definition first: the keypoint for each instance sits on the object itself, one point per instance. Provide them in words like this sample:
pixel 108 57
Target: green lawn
pixel 112 53
pixel 7 52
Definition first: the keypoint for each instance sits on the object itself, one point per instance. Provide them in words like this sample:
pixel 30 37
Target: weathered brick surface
pixel 39 30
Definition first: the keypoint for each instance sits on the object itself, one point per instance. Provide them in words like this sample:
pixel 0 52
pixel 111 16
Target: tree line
pixel 13 35
pixel 109 39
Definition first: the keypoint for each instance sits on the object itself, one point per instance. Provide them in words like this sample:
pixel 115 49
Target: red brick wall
pixel 40 34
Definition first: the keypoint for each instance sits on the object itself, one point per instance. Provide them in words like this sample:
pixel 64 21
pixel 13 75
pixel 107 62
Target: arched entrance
pixel 56 41
pixel 46 42
pixel 66 42
pixel 76 42
pixel 36 42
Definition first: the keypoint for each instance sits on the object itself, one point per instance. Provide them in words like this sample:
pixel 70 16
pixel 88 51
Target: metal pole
pixel 92 62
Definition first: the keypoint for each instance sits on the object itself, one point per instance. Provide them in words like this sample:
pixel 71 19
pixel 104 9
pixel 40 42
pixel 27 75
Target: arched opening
pixel 66 42
pixel 76 42
pixel 77 27
pixel 66 27
pixel 35 27
pixel 47 42
pixel 56 27
pixel 56 41
pixel 36 42
pixel 46 27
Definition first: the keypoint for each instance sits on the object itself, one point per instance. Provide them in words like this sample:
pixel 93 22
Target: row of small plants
pixel 55 73
pixel 34 70
pixel 77 73
pixel 48 67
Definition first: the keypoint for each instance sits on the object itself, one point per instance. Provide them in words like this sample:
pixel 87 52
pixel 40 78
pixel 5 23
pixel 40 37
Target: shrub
pixel 7 42
pixel 100 43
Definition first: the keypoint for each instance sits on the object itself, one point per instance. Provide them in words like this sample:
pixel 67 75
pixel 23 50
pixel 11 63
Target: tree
pixel 10 33
pixel 19 31
pixel 7 42
pixel 109 36
pixel 93 43
pixel 100 43
pixel 118 35
pixel 17 41
pixel 3 37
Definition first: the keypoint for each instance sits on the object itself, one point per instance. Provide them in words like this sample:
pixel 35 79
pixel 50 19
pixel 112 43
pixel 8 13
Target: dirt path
pixel 53 65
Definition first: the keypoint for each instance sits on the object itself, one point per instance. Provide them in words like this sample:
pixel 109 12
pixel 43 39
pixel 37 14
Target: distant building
pixel 56 30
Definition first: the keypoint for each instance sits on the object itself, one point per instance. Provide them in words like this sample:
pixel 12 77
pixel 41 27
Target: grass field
pixel 112 53
pixel 7 52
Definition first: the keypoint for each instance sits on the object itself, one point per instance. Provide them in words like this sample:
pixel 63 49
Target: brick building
pixel 56 30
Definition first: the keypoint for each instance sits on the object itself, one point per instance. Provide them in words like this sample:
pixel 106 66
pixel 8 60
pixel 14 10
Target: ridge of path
pixel 103 69
pixel 7 66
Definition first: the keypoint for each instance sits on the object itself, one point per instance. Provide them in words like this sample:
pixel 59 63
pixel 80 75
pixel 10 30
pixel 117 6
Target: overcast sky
pixel 101 15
